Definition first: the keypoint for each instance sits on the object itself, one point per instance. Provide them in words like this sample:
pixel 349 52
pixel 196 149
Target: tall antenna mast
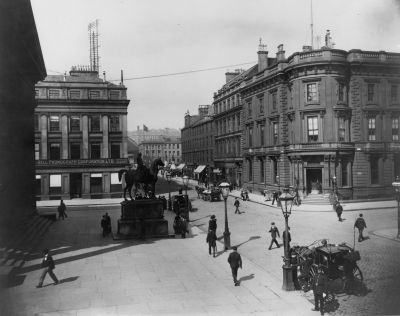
pixel 93 30
pixel 312 28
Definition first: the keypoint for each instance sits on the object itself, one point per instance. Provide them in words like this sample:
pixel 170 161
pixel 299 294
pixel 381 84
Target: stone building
pixel 22 65
pixel 167 148
pixel 80 136
pixel 319 115
pixel 198 143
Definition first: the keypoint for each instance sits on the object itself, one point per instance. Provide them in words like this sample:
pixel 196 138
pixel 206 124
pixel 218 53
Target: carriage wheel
pixel 357 274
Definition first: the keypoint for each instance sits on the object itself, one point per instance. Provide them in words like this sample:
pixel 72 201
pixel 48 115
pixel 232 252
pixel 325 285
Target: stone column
pixel 106 184
pixel 124 136
pixel 45 186
pixel 43 137
pixel 85 137
pixel 65 194
pixel 105 137
pixel 64 137
pixel 86 185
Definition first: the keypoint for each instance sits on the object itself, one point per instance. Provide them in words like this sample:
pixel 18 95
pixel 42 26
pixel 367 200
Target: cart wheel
pixel 357 274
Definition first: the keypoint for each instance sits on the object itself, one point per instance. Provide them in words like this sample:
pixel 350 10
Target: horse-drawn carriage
pixel 181 204
pixel 339 262
pixel 209 194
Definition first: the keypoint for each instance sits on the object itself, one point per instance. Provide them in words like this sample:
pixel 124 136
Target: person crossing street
pixel 274 232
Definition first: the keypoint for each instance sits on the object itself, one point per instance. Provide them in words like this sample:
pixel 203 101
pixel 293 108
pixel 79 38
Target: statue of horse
pixel 141 176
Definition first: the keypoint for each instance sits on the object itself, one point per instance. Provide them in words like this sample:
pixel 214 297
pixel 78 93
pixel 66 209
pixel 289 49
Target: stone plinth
pixel 142 219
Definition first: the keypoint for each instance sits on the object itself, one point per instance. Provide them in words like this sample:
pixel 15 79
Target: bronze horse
pixel 143 175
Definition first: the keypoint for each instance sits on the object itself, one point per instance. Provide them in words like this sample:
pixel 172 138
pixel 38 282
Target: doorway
pixel 314 180
pixel 75 185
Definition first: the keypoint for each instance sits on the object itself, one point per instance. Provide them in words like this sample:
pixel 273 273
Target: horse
pixel 142 175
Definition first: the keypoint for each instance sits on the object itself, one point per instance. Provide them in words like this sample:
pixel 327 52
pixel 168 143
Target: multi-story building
pixel 167 148
pixel 228 127
pixel 320 115
pixel 80 136
pixel 198 143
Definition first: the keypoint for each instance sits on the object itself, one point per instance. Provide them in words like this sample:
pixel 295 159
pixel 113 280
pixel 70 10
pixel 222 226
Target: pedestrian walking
pixel 103 225
pixel 177 225
pixel 212 242
pixel 108 223
pixel 184 226
pixel 212 223
pixel 235 261
pixel 339 211
pixel 286 235
pixel 61 210
pixel 237 204
pixel 360 224
pixel 275 197
pixel 274 232
pixel 320 289
pixel 48 267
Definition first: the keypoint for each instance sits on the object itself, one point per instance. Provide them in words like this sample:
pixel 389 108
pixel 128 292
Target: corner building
pixel 80 136
pixel 320 114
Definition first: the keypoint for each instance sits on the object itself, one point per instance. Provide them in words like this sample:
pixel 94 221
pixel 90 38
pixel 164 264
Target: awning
pixel 199 169
pixel 181 166
pixel 217 170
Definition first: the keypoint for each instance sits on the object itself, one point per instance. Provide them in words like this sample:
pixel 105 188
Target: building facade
pixel 321 115
pixel 80 136
pixel 198 144
pixel 169 149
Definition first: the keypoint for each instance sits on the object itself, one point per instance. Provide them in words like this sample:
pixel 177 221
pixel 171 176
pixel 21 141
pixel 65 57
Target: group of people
pixel 180 225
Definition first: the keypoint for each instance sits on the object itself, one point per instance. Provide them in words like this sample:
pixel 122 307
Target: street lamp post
pixel 279 184
pixel 185 180
pixel 227 235
pixel 168 176
pixel 396 185
pixel 334 182
pixel 286 205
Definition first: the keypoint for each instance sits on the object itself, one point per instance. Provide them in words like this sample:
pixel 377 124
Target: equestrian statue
pixel 142 176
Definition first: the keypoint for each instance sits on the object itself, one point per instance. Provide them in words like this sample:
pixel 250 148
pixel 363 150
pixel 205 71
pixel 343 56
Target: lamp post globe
pixel 286 204
pixel 168 176
pixel 224 186
pixel 396 186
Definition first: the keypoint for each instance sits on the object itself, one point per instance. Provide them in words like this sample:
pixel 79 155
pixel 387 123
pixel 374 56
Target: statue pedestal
pixel 142 219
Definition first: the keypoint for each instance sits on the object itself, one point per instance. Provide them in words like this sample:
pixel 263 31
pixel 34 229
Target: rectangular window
pixel 74 94
pixel 275 170
pixel 394 93
pixel 262 171
pixel 75 123
pixel 115 185
pixel 95 151
pixel 345 174
pixel 36 122
pixel 274 100
pixel 55 184
pixel 312 93
pixel 114 123
pixel 374 167
pixel 261 104
pixel 341 92
pixel 275 127
pixel 370 93
pixel 94 94
pixel 115 150
pixel 36 93
pixel 37 151
pixel 54 123
pixel 250 169
pixel 114 94
pixel 262 135
pixel 395 128
pixel 312 128
pixel 371 129
pixel 250 112
pixel 95 123
pixel 54 152
pixel 75 151
pixel 342 129
pixel 54 94
pixel 250 137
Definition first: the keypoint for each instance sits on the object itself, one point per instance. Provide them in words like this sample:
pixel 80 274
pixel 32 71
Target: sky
pixel 157 37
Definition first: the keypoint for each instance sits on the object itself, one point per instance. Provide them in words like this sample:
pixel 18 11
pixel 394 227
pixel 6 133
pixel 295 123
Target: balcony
pixel 320 146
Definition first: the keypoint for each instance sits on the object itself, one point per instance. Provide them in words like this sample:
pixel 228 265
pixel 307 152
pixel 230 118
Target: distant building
pixel 146 134
pixel 167 148
pixel 133 150
pixel 80 136
pixel 198 144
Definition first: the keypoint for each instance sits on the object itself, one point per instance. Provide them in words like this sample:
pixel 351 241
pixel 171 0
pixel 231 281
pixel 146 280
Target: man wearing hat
pixel 320 288
pixel 212 224
pixel 360 224
pixel 274 231
pixel 235 261
pixel 48 267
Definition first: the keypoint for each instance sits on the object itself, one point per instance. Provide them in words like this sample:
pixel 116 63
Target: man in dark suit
pixel 48 267
pixel 274 232
pixel 320 289
pixel 235 261
pixel 360 224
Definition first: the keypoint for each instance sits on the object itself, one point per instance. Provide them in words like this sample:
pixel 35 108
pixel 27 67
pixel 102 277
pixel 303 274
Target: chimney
pixel 280 55
pixel 230 75
pixel 262 57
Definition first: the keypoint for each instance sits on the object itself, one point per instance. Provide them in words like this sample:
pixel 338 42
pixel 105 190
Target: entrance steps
pixel 17 244
pixel 316 199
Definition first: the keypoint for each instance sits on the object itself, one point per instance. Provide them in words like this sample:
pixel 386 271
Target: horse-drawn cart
pixel 339 262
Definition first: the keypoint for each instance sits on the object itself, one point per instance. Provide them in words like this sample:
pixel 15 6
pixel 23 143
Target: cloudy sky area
pixel 154 37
